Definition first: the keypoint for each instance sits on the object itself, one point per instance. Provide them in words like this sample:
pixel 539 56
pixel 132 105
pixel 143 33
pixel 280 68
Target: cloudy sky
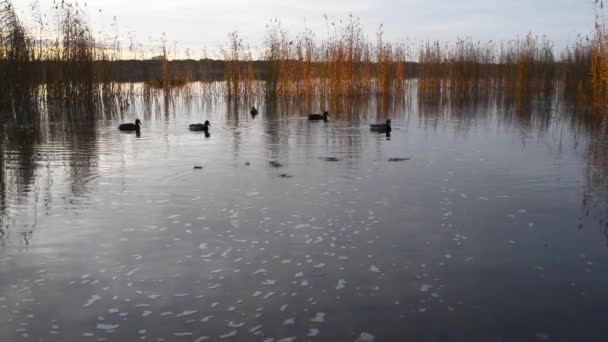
pixel 198 24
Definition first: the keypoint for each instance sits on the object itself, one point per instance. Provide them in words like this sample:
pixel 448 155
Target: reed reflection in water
pixel 472 202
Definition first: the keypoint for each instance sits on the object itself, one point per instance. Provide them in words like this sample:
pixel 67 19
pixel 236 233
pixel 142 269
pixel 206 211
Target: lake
pixel 477 221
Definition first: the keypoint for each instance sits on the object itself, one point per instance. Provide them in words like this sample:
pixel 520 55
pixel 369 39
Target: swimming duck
pixel 200 127
pixel 129 127
pixel 254 111
pixel 317 117
pixel 381 127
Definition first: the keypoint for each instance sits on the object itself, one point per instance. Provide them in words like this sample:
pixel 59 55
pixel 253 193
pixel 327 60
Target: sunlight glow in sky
pixel 205 24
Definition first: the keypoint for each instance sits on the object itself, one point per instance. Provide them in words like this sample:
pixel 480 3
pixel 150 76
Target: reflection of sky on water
pixel 483 234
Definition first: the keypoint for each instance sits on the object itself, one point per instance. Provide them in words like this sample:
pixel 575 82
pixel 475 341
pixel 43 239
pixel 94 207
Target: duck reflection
pixel 44 165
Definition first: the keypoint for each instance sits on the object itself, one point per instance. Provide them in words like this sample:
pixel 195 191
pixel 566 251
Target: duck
pixel 130 127
pixel 275 163
pixel 317 117
pixel 200 127
pixel 254 111
pixel 382 127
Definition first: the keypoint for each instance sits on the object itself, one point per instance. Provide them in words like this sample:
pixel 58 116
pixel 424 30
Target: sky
pixel 205 24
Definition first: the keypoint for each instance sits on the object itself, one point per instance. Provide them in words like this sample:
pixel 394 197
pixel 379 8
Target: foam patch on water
pixel 256 328
pixel 130 273
pixel 186 313
pixel 425 287
pixel 366 337
pixel 225 253
pixel 319 317
pixel 92 301
pixel 227 335
pixel 235 325
pixel 107 327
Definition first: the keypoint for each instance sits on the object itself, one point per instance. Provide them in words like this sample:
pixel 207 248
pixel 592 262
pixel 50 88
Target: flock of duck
pixel 384 127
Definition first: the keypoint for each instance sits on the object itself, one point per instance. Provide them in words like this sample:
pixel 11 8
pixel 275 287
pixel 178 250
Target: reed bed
pixel 346 64
pixel 58 61
pixel 586 70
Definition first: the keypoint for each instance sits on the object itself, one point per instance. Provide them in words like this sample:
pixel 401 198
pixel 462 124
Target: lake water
pixel 489 226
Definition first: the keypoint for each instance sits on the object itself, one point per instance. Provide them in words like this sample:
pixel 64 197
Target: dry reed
pixel 77 69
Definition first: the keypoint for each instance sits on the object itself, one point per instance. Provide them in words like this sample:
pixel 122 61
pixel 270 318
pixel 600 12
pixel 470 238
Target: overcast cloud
pixel 205 24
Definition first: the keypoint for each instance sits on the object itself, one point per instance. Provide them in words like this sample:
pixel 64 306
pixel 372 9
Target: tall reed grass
pixel 59 61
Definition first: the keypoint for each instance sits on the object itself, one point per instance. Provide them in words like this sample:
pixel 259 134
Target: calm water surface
pixel 492 230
